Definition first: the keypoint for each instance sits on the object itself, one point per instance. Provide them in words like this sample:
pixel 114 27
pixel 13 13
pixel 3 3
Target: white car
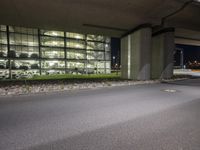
pixel 26 75
pixel 4 74
pixel 16 74
pixel 52 72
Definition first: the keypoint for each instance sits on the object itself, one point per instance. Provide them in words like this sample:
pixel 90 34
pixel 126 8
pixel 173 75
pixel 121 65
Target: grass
pixel 70 76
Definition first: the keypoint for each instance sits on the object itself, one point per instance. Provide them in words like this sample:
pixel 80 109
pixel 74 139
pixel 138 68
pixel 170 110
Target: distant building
pixel 25 52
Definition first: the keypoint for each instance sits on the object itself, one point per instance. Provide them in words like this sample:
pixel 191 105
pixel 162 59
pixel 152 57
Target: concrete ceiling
pixel 108 17
pixel 187 37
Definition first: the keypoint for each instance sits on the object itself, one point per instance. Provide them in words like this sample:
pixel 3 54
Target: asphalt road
pixel 143 117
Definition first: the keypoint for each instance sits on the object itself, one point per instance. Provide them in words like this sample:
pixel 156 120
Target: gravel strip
pixel 23 89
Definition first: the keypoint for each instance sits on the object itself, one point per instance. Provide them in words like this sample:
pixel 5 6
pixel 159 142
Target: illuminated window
pixel 95 46
pixel 52 41
pixel 23 39
pixel 108 64
pixel 95 55
pixel 3 50
pixel 107 56
pixel 53 64
pixel 24 51
pixel 2 28
pixel 74 54
pixel 75 35
pixel 50 52
pixel 52 33
pixel 3 64
pixel 107 47
pixel 72 64
pixel 3 38
pixel 95 38
pixel 23 30
pixel 77 44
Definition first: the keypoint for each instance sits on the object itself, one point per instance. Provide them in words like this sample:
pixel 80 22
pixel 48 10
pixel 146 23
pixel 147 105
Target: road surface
pixel 144 117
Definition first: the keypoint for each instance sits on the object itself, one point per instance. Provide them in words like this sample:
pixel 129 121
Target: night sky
pixel 191 53
pixel 115 50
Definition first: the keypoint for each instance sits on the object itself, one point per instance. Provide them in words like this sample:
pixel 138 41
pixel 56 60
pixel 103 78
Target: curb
pixel 49 88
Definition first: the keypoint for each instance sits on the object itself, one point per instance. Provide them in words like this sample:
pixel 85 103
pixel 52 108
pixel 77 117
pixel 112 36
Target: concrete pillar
pixel 136 54
pixel 162 54
pixel 125 57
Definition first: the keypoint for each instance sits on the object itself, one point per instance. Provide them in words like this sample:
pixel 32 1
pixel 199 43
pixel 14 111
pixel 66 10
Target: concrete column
pixel 162 54
pixel 125 57
pixel 136 54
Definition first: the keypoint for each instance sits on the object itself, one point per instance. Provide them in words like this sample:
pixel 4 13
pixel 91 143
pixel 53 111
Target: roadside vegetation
pixel 62 78
pixel 71 76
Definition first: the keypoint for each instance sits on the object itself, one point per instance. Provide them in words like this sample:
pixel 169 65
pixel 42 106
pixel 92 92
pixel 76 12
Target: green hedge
pixel 70 76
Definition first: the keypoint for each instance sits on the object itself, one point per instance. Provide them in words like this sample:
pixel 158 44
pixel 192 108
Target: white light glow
pixel 54 33
pixel 78 37
pixel 52 63
pixel 55 43
pixel 54 52
pixel 78 46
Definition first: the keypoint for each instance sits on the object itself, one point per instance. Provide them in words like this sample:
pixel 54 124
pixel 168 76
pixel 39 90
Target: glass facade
pixel 25 52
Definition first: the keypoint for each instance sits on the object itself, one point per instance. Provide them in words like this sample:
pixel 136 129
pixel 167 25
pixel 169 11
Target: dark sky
pixel 191 53
pixel 115 49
